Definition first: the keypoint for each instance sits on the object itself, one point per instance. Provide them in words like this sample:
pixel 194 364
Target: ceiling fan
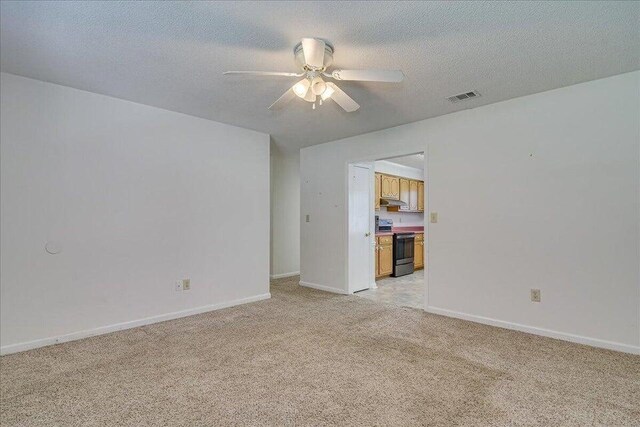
pixel 314 56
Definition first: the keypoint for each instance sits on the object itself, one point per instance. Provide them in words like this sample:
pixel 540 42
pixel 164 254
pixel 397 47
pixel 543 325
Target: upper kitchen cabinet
pixel 404 193
pixel 411 192
pixel 377 181
pixel 390 187
pixel 413 195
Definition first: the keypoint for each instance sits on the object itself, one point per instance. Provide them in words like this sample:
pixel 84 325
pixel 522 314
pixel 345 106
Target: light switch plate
pixel 178 285
pixel 433 217
pixel 186 284
pixel 307 218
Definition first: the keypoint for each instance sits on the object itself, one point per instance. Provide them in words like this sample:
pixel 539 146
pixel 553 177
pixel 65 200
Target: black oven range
pixel 403 254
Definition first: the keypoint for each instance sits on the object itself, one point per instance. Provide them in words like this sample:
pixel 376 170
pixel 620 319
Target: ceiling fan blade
pixel 264 73
pixel 390 76
pixel 283 100
pixel 313 52
pixel 342 99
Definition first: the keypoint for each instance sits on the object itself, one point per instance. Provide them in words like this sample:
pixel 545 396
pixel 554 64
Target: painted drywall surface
pixel 402 219
pixel 285 213
pixel 383 166
pixel 136 197
pixel 537 192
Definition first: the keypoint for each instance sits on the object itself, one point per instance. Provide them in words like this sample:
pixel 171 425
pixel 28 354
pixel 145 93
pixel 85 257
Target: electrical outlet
pixel 186 284
pixel 178 285
pixel 535 295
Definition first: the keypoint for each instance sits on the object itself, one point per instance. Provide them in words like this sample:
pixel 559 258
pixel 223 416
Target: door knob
pixel 367 234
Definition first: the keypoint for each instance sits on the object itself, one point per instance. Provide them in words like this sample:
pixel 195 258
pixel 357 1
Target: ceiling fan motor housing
pixel 300 61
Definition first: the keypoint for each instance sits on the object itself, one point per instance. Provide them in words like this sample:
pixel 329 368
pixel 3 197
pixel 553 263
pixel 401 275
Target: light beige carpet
pixel 307 357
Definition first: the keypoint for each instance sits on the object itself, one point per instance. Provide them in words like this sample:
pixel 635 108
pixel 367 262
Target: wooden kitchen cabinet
pixel 413 195
pixel 411 192
pixel 390 187
pixel 404 194
pixel 378 177
pixel 418 251
pixel 375 257
pixel 420 196
pixel 384 255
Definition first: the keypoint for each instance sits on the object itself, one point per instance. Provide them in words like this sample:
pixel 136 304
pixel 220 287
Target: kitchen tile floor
pixel 407 291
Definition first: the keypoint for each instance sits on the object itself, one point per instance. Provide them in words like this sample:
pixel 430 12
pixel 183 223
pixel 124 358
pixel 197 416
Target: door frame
pixel 370 161
pixel 370 168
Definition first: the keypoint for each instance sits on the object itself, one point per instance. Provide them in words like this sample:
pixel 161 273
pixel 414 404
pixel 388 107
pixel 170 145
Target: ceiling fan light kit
pixel 318 86
pixel 301 88
pixel 314 56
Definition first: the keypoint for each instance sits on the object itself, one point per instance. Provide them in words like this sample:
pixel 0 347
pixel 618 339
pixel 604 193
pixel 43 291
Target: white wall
pixel 536 192
pixel 402 219
pixel 384 166
pixel 285 213
pixel 137 198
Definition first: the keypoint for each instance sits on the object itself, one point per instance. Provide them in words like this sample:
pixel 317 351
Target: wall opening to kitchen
pixel 397 241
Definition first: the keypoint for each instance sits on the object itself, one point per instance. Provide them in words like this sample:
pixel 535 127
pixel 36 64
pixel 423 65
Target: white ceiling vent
pixel 464 96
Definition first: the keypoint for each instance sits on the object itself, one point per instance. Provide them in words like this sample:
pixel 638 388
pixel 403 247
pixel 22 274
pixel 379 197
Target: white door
pixel 360 239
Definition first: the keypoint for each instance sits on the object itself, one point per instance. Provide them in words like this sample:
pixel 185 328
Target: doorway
pixel 397 203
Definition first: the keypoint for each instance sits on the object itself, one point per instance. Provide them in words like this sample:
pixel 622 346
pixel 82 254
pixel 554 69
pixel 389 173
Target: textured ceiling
pixel 172 55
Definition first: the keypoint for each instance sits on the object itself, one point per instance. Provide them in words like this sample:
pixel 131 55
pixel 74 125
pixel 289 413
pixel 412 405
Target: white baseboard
pixel 323 288
pixel 579 339
pixel 283 275
pixel 29 345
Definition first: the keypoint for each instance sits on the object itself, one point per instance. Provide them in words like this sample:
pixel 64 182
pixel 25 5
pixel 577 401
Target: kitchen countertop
pixel 408 229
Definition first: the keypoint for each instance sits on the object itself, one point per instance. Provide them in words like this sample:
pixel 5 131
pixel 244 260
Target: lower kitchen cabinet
pixel 384 256
pixel 418 251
